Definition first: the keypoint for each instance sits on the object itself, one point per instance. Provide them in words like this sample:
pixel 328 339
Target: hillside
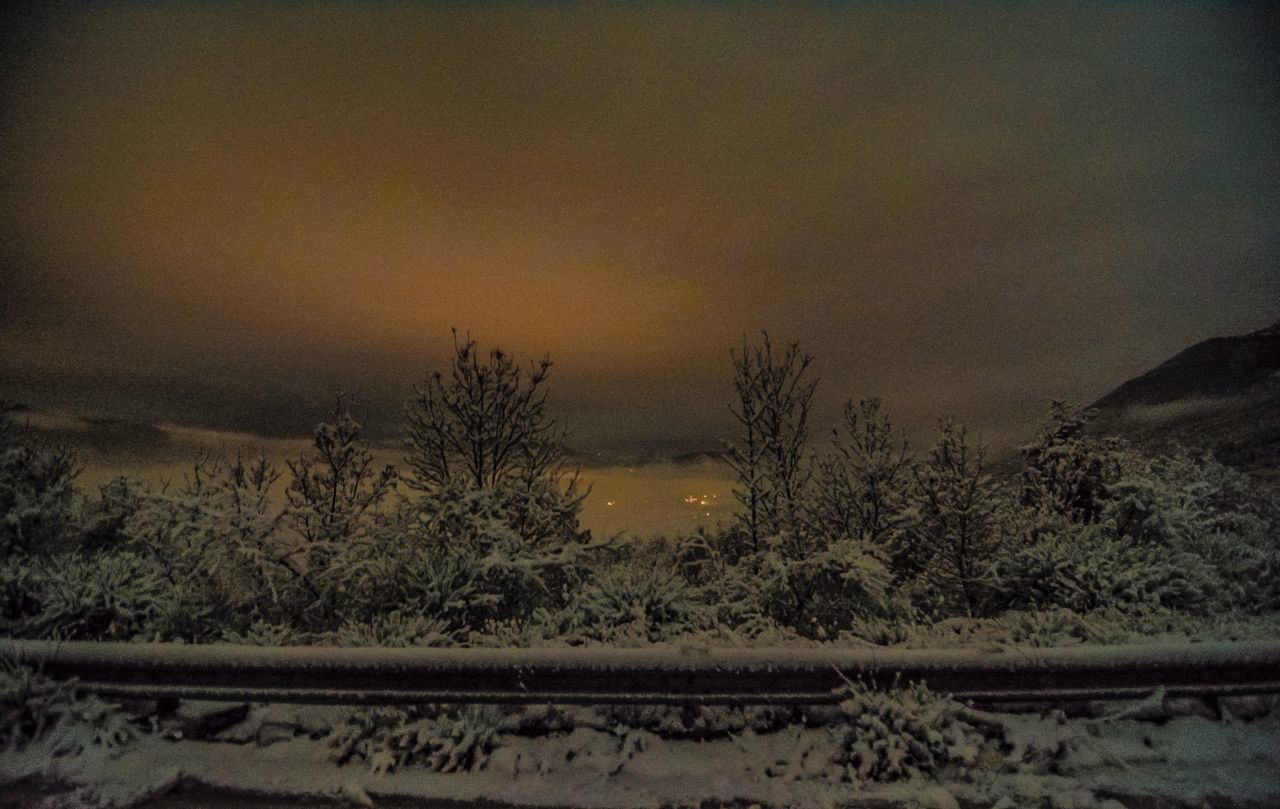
pixel 1222 394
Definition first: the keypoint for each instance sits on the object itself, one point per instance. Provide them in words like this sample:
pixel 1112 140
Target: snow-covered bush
pixel 264 633
pixel 1068 472
pixel 396 629
pixel 105 518
pixel 826 590
pixel 387 738
pixel 485 428
pixel 336 485
pixel 37 495
pixel 699 722
pixel 400 569
pixel 901 733
pixel 185 616
pixel 100 596
pixel 20 586
pixel 1086 568
pixel 88 720
pixel 743 610
pixel 488 463
pixel 1056 627
pixel 215 541
pixel 522 537
pixel 636 603
pixel 1172 532
pixel 334 495
pixel 1178 500
pixel 30 703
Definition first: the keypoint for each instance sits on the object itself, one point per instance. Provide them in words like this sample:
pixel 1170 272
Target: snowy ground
pixel 1022 760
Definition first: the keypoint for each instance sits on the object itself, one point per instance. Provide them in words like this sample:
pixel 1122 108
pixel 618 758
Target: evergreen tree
pixel 952 540
pixel 1067 471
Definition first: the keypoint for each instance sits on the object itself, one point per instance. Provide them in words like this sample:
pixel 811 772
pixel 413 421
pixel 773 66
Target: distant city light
pixel 700 499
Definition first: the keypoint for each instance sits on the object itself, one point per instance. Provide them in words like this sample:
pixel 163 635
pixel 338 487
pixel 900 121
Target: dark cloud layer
pixel 214 215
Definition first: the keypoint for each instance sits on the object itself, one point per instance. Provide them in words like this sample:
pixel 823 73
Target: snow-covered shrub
pixel 30 703
pixel 703 557
pixel 215 540
pixel 402 570
pixel 634 602
pixel 264 633
pixel 104 519
pixel 335 489
pixel 1180 500
pixel 101 596
pixel 902 732
pixel 396 629
pixel 700 722
pixel 724 579
pixel 1043 627
pixel 1086 568
pixel 495 552
pixel 184 616
pixel 1056 627
pixel 387 738
pixel 20 586
pixel 542 628
pixel 881 630
pixel 335 495
pixel 1068 472
pixel 826 590
pixel 88 720
pixel 37 495
pixel 365 731
pixel 487 457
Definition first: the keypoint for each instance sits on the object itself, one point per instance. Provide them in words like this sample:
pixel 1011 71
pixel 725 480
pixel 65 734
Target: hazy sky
pixel 214 215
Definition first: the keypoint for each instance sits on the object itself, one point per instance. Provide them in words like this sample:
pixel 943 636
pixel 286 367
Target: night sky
pixel 213 216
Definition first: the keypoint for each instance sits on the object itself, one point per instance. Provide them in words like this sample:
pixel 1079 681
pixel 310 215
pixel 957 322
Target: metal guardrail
pixel 577 675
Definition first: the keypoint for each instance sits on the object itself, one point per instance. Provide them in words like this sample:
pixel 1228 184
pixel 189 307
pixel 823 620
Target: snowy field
pixel 1143 755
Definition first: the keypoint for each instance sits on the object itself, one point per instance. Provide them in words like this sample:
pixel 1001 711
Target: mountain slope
pixel 1222 394
pixel 1219 366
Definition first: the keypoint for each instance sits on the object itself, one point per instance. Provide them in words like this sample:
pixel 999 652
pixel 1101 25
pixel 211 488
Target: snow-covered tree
pixel 1066 471
pixel 861 486
pixel 484 428
pixel 951 541
pixel 215 538
pixel 483 423
pixel 772 410
pixel 104 519
pixel 336 487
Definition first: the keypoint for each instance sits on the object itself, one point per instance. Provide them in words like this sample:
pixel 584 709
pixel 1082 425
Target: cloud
pixel 216 216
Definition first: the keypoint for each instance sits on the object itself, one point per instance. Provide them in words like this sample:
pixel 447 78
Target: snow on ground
pixel 1027 760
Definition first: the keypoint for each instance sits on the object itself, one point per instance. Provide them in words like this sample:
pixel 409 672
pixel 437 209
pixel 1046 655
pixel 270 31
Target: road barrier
pixel 665 675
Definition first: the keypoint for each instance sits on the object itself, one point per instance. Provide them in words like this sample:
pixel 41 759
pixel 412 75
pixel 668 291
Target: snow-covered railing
pixel 667 675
